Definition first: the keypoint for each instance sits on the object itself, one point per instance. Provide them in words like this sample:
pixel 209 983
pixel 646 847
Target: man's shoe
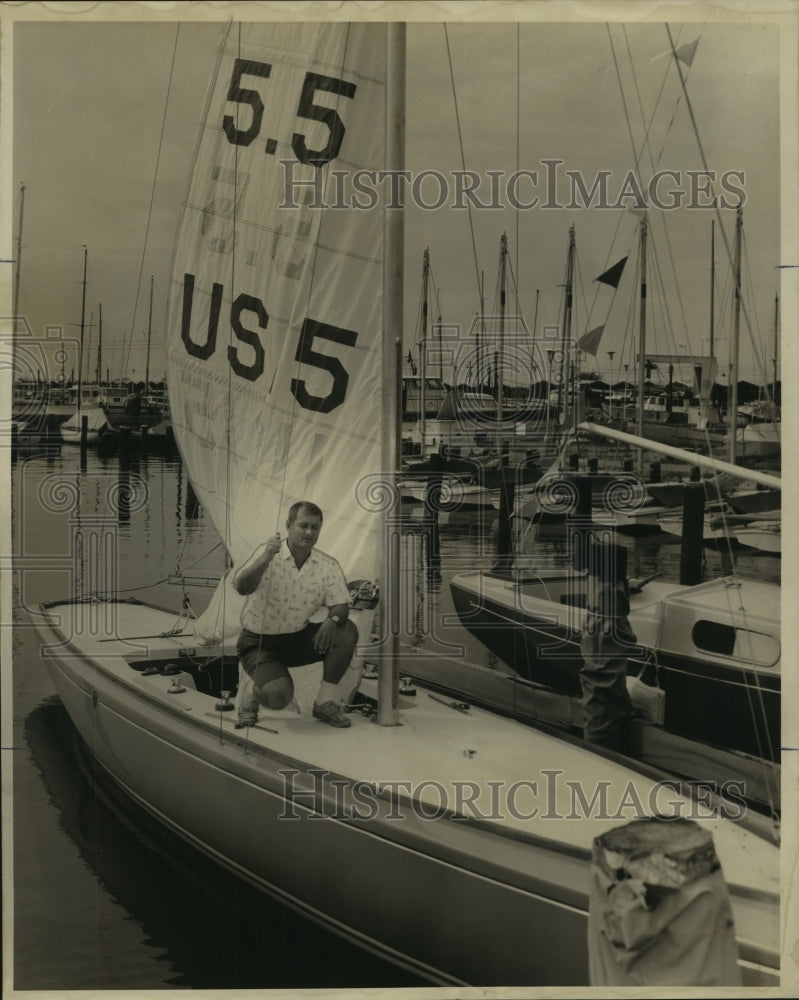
pixel 332 713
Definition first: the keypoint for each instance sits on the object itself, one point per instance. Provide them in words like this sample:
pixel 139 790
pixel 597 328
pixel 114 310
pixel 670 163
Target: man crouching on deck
pixel 288 582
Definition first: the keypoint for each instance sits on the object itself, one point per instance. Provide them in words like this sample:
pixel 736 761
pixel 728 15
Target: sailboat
pixel 475 437
pixel 93 415
pixel 279 380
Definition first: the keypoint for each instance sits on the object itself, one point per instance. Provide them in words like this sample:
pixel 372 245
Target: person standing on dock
pixel 288 581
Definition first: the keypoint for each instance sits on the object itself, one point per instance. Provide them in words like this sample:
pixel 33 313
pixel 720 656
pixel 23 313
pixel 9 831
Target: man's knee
pixel 276 694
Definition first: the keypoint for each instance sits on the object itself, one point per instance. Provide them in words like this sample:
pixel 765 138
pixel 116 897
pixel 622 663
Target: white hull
pixel 453 496
pixel 71 429
pixel 713 530
pixel 457 902
pixel 640 520
pixel 758 440
pixel 72 436
pixel 766 537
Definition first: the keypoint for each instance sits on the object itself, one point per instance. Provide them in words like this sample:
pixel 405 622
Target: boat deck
pixel 435 746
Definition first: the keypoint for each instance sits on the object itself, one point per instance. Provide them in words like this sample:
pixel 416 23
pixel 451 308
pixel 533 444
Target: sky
pixel 104 124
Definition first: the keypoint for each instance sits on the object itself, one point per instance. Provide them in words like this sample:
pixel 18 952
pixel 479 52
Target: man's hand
pixel 323 639
pixel 246 580
pixel 272 547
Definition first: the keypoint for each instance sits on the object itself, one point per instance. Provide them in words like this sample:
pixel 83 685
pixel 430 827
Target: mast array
pixel 19 256
pixel 732 408
pixel 82 328
pixel 642 341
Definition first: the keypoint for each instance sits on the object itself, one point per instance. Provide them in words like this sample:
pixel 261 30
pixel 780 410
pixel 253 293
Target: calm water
pixel 103 898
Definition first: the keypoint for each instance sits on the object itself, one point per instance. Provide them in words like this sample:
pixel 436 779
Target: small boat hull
pixel 96 420
pixel 70 435
pixel 765 537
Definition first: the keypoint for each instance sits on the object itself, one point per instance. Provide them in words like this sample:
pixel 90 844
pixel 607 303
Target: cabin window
pixel 738 643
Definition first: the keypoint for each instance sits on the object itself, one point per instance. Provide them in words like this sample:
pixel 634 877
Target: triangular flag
pixel 687 52
pixel 589 342
pixel 613 274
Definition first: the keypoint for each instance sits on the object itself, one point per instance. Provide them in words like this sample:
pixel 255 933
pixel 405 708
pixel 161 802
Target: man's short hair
pixel 312 509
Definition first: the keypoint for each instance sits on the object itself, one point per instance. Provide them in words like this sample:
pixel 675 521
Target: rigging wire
pixel 518 152
pixel 655 162
pixel 521 326
pixel 152 199
pixel 463 156
pixel 703 157
pixel 735 613
pixel 645 145
pixel 754 342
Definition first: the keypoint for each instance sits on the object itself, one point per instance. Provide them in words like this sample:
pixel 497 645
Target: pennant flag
pixel 613 275
pixel 685 53
pixel 589 342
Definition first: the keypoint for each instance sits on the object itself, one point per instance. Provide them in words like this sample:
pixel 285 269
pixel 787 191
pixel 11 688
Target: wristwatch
pixel 334 618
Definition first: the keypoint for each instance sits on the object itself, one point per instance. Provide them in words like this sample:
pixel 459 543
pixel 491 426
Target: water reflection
pixel 194 925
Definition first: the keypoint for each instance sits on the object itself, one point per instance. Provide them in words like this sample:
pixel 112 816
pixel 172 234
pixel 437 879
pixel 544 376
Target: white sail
pixel 275 304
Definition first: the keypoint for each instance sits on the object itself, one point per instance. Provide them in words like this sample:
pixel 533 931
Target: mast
pixel 440 344
pixel 642 341
pixel 149 334
pixel 712 281
pixel 89 346
pixel 776 350
pixel 732 409
pixel 100 346
pixel 481 332
pixel 423 349
pixel 503 253
pixel 82 327
pixel 19 257
pixel 563 397
pixel 394 245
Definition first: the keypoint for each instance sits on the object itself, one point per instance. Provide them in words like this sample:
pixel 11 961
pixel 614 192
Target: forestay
pixel 275 303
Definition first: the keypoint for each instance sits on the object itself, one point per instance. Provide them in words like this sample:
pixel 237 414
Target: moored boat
pixel 708 652
pixel 96 423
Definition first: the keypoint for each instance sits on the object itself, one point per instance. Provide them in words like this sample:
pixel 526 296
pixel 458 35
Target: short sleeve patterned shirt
pixel 286 597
